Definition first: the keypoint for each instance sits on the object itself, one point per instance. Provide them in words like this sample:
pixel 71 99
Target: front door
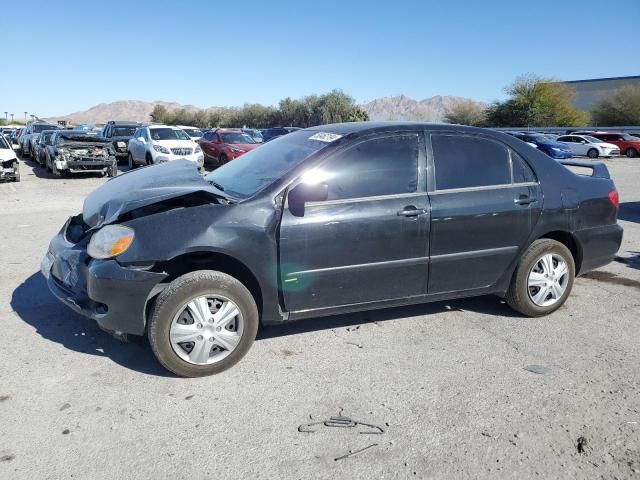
pixel 484 203
pixel 370 240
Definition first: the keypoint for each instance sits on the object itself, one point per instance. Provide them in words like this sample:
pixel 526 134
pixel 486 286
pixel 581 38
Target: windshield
pixel 123 131
pixel 236 138
pixel 250 173
pixel 591 139
pixel 3 143
pixel 629 138
pixel 193 132
pixel 47 137
pixel 168 134
pixel 40 128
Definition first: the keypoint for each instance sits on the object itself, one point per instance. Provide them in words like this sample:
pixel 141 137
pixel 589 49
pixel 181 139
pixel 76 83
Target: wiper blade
pixel 217 185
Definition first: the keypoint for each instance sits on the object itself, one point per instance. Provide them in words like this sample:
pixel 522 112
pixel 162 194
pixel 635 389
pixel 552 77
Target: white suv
pixel 162 143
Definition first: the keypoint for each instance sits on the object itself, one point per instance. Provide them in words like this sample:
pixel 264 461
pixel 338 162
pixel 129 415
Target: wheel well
pixel 569 241
pixel 220 262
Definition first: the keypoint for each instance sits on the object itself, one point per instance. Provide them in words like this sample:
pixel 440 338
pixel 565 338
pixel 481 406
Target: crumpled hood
pixel 141 187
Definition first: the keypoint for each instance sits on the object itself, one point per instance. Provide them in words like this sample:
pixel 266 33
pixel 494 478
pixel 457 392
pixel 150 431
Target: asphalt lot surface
pixel 448 382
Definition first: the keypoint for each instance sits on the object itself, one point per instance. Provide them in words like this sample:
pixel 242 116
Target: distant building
pixel 589 92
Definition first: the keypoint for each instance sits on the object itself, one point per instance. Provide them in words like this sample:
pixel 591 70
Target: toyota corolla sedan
pixel 329 220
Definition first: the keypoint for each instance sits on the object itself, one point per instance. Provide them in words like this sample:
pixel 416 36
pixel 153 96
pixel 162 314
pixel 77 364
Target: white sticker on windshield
pixel 325 137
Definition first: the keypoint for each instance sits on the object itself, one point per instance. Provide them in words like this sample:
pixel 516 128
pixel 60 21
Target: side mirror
pixel 141 140
pixel 303 193
pixel 583 142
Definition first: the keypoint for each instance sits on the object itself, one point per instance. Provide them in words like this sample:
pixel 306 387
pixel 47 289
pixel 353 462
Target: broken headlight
pixel 110 241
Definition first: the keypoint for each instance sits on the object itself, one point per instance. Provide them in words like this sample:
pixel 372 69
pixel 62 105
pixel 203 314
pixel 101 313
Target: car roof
pixel 229 130
pixel 188 126
pixel 124 123
pixel 159 125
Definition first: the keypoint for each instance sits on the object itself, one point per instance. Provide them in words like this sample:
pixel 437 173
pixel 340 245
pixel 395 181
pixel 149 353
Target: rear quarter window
pixel 463 161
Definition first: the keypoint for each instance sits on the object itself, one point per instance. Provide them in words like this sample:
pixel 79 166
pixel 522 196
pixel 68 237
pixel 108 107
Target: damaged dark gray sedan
pixel 329 220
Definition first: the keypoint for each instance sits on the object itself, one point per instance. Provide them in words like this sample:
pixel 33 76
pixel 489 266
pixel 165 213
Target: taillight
pixel 614 198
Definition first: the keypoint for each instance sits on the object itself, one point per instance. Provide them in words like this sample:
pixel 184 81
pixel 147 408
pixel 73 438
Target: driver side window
pixel 376 167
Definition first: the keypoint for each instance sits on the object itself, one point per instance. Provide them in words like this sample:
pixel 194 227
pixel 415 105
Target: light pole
pixel 6 116
pixel 12 118
pixel 25 118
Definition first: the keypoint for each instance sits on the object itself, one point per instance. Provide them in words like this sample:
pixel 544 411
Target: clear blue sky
pixel 75 54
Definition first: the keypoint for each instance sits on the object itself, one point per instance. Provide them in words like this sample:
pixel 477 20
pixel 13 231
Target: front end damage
pixel 113 295
pixel 78 157
pixel 10 170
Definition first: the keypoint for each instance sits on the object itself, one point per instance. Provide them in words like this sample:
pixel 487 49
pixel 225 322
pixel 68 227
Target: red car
pixel 629 145
pixel 224 144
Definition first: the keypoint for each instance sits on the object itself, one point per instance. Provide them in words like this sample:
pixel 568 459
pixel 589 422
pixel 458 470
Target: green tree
pixel 159 114
pixel 357 114
pixel 621 108
pixel 467 112
pixel 536 102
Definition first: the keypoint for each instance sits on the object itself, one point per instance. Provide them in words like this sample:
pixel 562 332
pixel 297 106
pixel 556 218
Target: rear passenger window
pixel 522 172
pixel 464 161
pixel 381 166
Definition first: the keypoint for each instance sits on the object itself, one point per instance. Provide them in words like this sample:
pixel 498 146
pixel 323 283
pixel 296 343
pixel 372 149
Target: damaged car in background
pixel 329 220
pixel 9 163
pixel 74 151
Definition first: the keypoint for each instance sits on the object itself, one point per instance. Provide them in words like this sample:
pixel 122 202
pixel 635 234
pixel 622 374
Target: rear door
pixel 484 203
pixel 370 240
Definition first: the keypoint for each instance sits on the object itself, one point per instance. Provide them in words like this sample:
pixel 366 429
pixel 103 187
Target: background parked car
pixel 271 133
pixel 254 133
pixel 162 143
pixel 194 132
pixel 9 163
pixel 28 136
pixel 119 133
pixel 74 151
pixel 628 144
pixel 225 144
pixel 545 144
pixel 15 135
pixel 590 146
pixel 40 146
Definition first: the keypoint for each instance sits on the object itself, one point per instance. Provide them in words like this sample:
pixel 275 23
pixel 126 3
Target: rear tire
pixel 592 153
pixel 631 153
pixel 167 311
pixel 521 293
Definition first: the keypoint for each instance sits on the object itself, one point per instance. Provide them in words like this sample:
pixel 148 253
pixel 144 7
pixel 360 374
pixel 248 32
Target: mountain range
pixel 398 107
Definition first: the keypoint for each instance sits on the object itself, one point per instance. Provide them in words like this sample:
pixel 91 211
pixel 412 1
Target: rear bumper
pixel 103 290
pixel 599 246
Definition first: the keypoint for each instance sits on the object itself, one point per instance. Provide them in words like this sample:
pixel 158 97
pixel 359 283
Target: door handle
pixel 524 200
pixel 411 211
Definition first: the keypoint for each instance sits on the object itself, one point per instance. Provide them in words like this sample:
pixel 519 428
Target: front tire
pixel 592 153
pixel 203 323
pixel 543 279
pixel 222 159
pixel 112 171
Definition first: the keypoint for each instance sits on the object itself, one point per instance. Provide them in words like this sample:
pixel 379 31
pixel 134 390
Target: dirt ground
pixel 462 389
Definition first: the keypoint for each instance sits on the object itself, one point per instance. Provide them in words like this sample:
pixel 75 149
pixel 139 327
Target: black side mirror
pixel 304 192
